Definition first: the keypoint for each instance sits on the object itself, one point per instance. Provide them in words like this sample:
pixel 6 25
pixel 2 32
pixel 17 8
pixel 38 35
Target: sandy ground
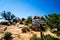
pixel 18 35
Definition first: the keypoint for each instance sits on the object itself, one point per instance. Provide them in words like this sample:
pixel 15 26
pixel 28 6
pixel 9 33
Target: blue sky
pixel 24 8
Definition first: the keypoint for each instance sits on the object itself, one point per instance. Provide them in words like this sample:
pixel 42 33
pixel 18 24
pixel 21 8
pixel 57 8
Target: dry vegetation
pixel 22 29
pixel 17 33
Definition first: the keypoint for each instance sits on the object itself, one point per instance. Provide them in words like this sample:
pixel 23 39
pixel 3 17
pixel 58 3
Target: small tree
pixel 8 16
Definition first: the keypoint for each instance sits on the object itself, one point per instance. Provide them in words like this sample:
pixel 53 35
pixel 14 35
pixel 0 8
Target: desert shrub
pixel 46 37
pixel 29 20
pixel 7 36
pixel 55 32
pixel 52 21
pixel 25 29
pixel 34 37
pixel 22 20
pixel 16 20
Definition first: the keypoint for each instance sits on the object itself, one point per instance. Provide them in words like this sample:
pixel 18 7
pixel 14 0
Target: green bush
pixel 52 21
pixel 7 36
pixel 46 37
pixel 29 20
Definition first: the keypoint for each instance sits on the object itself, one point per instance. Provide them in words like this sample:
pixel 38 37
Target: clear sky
pixel 24 8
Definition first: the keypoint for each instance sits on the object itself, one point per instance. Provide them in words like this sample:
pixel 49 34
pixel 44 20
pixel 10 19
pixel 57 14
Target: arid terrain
pixel 17 32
